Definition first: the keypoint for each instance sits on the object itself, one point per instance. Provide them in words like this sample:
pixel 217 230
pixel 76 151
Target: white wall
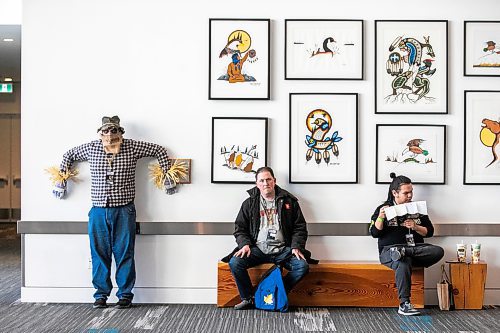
pixel 10 12
pixel 147 62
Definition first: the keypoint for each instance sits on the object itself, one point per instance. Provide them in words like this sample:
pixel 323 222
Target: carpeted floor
pixel 41 317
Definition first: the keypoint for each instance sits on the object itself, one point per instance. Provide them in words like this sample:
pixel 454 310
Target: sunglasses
pixel 112 130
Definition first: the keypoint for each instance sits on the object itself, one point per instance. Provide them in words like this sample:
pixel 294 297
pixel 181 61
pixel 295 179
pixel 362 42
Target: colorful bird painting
pixel 413 146
pixel 319 123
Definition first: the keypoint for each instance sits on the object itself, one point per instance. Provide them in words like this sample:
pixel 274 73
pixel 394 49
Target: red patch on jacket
pixel 287 206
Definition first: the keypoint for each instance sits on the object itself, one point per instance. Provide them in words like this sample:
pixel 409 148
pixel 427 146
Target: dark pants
pixel 420 255
pixel 112 232
pixel 296 268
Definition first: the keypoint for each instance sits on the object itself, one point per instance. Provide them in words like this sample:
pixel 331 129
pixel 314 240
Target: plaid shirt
pixel 122 189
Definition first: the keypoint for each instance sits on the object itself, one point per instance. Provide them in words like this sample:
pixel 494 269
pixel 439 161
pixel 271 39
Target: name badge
pixel 410 241
pixel 109 177
pixel 271 234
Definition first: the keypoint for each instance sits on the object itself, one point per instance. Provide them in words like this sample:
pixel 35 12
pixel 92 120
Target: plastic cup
pixel 461 252
pixel 475 252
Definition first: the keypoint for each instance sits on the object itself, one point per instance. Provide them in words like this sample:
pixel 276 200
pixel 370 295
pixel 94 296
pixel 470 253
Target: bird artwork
pixel 413 153
pixel 490 57
pixel 319 124
pixel 238 41
pixel 413 146
pixel 329 47
pixel 230 48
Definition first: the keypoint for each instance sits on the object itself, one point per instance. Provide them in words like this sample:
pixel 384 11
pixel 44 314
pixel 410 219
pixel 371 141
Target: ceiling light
pixel 8 79
pixel 8 39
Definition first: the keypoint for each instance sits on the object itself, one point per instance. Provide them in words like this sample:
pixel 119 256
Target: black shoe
pixel 100 303
pixel 407 309
pixel 244 304
pixel 124 303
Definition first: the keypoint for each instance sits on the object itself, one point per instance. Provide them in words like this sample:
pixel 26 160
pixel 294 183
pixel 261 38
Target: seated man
pixel 401 241
pixel 270 228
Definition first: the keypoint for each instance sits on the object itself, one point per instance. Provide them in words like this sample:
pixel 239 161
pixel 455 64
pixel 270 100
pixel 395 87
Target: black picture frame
pixel 341 51
pixel 335 160
pixel 228 36
pixel 407 161
pixel 481 121
pixel 480 48
pixel 403 77
pixel 239 148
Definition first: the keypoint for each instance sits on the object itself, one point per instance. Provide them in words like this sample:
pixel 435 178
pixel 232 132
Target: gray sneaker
pixel 244 304
pixel 407 309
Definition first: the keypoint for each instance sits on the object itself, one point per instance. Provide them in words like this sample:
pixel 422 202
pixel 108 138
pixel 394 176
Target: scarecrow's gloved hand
pixel 170 186
pixel 59 190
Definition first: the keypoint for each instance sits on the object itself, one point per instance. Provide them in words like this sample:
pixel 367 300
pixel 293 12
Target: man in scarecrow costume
pixel 112 217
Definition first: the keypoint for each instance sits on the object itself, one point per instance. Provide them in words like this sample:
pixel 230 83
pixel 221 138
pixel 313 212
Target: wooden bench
pixel 332 284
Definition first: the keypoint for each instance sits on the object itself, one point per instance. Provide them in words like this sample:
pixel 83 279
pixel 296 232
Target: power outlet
pixel 89 263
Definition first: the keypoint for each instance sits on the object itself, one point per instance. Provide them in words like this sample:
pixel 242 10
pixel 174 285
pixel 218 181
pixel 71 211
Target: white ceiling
pixel 10 52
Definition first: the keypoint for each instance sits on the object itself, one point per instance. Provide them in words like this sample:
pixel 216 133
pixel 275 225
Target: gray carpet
pixel 41 317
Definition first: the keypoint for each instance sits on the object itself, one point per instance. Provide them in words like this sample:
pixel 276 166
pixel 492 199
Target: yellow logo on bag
pixel 268 299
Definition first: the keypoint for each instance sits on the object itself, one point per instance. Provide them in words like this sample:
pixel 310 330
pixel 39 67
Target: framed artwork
pixel 416 151
pixel 323 49
pixel 481 137
pixel 239 148
pixel 482 48
pixel 411 67
pixel 239 53
pixel 323 138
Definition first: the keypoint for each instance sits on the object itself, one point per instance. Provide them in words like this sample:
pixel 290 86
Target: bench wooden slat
pixel 332 284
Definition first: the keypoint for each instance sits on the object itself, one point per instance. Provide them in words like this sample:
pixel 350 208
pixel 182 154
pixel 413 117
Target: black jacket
pixel 290 217
pixel 397 234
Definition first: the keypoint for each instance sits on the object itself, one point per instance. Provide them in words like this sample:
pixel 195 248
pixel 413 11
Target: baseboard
pixel 142 295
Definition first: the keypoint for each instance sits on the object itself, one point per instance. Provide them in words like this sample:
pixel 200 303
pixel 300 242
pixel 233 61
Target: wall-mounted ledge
pixel 227 228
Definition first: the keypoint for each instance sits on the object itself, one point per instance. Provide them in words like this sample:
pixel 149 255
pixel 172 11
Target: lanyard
pixel 109 158
pixel 269 211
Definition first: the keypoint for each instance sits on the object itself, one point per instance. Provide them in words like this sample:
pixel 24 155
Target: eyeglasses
pixel 112 130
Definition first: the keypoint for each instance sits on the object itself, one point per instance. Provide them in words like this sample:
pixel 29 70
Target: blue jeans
pixel 112 232
pixel 296 268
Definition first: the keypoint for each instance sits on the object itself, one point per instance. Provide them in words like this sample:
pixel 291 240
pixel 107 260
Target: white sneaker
pixel 407 309
pixel 244 304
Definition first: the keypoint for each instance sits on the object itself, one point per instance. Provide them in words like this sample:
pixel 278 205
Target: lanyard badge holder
pixel 410 240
